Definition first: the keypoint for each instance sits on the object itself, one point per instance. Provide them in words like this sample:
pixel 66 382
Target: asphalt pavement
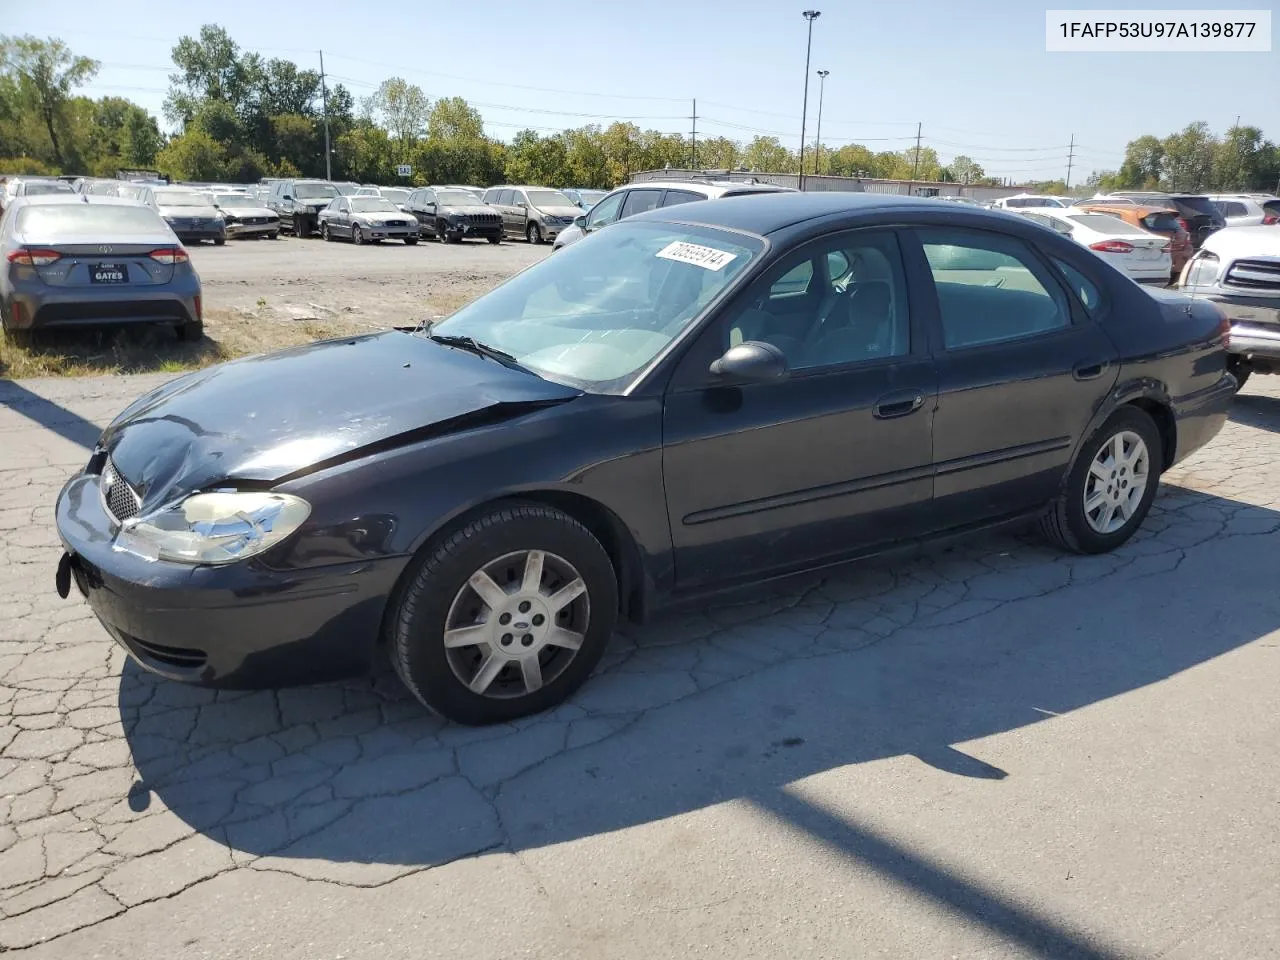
pixel 991 751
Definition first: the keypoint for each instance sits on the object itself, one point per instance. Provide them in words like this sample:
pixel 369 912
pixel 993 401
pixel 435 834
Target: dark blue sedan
pixel 694 398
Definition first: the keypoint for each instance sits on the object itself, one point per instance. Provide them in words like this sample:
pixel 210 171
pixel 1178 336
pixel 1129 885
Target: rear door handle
pixel 1088 371
pixel 898 404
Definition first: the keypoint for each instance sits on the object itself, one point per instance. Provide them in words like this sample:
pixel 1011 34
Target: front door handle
pixel 1089 371
pixel 898 404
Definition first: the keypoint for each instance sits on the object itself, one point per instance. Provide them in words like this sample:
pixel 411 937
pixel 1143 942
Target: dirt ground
pixel 261 295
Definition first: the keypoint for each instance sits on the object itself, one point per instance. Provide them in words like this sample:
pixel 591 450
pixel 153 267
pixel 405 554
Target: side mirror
pixel 580 222
pixel 522 205
pixel 753 361
pixel 288 197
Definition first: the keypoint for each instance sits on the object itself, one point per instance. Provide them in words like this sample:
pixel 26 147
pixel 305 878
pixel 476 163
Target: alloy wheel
pixel 534 233
pixel 516 624
pixel 357 235
pixel 1116 482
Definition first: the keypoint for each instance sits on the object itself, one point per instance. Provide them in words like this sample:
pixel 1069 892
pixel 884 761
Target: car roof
pixel 770 212
pixel 1141 209
pixel 709 188
pixel 97 199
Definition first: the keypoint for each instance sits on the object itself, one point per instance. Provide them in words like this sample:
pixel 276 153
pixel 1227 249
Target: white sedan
pixel 1143 256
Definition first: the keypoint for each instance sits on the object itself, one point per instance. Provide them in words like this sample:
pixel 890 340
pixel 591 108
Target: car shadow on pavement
pixel 355 783
pixel 52 416
pixel 1257 410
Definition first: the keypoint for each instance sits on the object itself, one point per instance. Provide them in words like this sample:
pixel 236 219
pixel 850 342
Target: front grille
pixel 184 658
pixel 121 501
pixel 483 219
pixel 1255 274
pixel 397 223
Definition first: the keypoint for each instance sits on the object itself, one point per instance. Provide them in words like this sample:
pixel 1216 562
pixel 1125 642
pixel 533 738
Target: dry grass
pixel 157 349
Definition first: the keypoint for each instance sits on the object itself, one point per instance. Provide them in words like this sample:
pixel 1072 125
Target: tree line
pixel 239 116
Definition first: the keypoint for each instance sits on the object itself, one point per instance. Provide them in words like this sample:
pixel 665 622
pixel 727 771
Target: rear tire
pixel 219 241
pixel 489 679
pixel 1239 369
pixel 273 236
pixel 1100 476
pixel 191 331
pixel 20 338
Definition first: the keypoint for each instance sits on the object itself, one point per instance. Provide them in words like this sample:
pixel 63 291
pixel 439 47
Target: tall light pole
pixel 817 149
pixel 810 15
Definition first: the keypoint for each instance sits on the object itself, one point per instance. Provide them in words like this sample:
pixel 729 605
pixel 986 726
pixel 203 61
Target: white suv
pixel 1239 270
pixel 1247 210
pixel 633 198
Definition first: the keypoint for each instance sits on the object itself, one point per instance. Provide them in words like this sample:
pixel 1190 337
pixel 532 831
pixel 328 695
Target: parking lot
pixel 993 750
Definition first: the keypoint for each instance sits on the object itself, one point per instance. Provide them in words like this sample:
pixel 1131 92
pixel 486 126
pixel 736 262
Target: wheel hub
pixel 1116 482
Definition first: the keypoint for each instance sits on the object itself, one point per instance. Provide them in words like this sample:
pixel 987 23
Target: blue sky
pixel 977 76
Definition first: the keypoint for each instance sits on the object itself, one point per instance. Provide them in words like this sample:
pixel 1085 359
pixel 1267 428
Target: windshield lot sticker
pixel 709 258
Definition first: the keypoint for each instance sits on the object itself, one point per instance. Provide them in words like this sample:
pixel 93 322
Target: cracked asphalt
pixel 991 750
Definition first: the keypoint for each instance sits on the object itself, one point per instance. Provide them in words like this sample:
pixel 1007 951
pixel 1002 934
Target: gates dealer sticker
pixel 709 258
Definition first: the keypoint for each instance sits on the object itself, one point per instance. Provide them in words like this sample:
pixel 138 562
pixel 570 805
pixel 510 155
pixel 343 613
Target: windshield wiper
pixel 478 348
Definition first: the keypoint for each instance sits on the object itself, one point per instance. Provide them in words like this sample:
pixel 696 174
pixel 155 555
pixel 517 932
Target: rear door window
pixel 1161 222
pixel 638 201
pixel 681 196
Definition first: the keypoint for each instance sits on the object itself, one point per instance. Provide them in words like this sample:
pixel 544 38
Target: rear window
pixel 1101 223
pixel 1201 205
pixel 48 222
pixel 57 186
pixel 1272 207
pixel 1163 222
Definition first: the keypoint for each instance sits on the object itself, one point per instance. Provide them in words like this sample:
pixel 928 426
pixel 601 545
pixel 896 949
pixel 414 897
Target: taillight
pixel 34 258
pixel 1270 219
pixel 1112 246
pixel 1166 247
pixel 1184 225
pixel 169 255
pixel 199 308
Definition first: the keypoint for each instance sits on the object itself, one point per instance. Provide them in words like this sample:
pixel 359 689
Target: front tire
pixel 357 235
pixel 442 231
pixel 410 241
pixel 219 241
pixel 495 240
pixel 505 617
pixel 325 235
pixel 533 233
pixel 1110 487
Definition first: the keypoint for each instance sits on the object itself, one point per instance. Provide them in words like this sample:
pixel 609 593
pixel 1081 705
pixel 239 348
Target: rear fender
pixel 1146 392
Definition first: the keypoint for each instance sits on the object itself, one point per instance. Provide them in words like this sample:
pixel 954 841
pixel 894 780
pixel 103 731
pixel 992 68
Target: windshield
pixel 181 198
pixel 50 221
pixel 54 186
pixel 347 189
pixel 395 194
pixel 314 191
pixel 1200 205
pixel 549 198
pixel 234 200
pixel 598 311
pixel 1162 222
pixel 456 198
pixel 372 205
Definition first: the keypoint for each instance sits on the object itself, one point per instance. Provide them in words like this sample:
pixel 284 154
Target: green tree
pixel 1143 163
pixel 210 67
pixel 767 155
pixel 964 169
pixel 46 72
pixel 404 109
pixel 193 155
pixel 718 153
pixel 535 159
pixel 1242 161
pixel 1188 157
pixel 452 118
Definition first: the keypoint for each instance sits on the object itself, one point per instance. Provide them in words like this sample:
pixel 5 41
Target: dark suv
pixel 451 214
pixel 1200 215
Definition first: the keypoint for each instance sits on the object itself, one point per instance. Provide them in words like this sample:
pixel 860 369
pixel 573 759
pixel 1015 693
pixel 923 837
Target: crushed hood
pixel 266 418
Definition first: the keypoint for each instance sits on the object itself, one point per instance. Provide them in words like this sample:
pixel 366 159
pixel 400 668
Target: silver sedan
pixel 74 260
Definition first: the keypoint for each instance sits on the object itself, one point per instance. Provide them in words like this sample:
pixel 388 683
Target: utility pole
pixel 810 15
pixel 695 134
pixel 1071 156
pixel 324 106
pixel 817 150
pixel 915 163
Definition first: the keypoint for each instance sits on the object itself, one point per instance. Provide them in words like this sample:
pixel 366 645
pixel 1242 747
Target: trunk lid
pixel 99 264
